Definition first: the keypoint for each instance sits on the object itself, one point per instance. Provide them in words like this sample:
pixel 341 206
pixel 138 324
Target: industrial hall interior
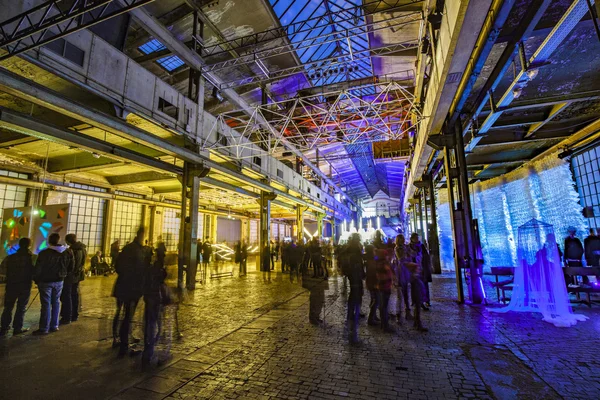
pixel 299 199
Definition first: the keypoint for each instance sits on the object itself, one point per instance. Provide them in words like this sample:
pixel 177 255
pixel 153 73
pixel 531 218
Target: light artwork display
pixel 36 223
pixel 539 284
pixel 543 190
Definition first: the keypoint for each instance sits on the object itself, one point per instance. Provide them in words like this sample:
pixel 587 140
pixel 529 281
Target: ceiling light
pixel 95 155
pixel 517 93
pixel 216 93
pixel 532 73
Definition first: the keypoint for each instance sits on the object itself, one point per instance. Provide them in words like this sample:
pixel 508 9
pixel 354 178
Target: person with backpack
pixel 69 311
pixel 51 268
pixel 19 273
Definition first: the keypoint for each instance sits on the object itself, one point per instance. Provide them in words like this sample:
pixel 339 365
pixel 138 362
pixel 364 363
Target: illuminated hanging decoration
pixel 539 284
pixel 543 190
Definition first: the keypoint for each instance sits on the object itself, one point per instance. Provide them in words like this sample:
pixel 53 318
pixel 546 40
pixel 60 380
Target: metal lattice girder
pixel 346 14
pixel 331 37
pixel 55 19
pixel 562 29
pixel 326 65
pixel 308 122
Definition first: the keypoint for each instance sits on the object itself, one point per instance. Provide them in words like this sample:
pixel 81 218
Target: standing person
pixel 154 278
pixel 315 257
pixel 384 275
pixel 161 252
pixel 69 311
pixel 51 268
pixel 206 253
pixel 292 256
pixel 573 253
pixel 129 286
pixel 115 249
pixel 241 256
pixel 416 272
pixel 371 281
pixel 402 277
pixel 19 274
pixel 277 249
pixel 356 273
pixel 265 263
pixel 426 276
pixel 591 245
pixel 285 257
pixel 272 254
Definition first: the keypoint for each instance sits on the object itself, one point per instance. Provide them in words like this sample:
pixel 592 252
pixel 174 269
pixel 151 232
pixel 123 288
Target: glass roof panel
pixel 326 39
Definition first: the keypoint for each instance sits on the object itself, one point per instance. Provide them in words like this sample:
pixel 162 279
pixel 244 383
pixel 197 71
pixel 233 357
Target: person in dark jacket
pixel 161 252
pixel 426 276
pixel 129 286
pixel 206 253
pixel 356 274
pixel 154 278
pixel 51 268
pixel 115 249
pixel 265 259
pixel 384 275
pixel 19 274
pixel 69 297
pixel 573 253
pixel 592 249
pixel 241 257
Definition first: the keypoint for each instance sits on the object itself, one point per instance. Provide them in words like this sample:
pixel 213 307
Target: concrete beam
pixel 138 177
pixel 11 138
pixel 159 31
pixel 461 24
pixel 27 125
pixel 83 163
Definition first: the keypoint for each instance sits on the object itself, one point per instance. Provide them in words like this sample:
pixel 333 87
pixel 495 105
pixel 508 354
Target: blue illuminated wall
pixel 543 190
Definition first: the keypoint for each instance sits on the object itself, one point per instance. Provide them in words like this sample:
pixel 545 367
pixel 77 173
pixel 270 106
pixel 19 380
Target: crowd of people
pixel 383 266
pixel 58 271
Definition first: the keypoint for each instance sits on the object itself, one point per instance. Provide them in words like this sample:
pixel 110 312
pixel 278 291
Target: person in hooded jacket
pixel 69 297
pixel 129 287
pixel 51 268
pixel 19 273
pixel 355 272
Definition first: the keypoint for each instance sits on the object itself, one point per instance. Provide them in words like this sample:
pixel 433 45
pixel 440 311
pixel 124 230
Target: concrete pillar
pixel 472 261
pixel 109 207
pixel 265 223
pixel 188 236
pixel 299 223
pixel 457 226
pixel 213 228
pixel 433 238
pixel 320 218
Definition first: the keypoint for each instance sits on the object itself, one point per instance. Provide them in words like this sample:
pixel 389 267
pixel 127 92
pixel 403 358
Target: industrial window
pixel 586 170
pixel 280 173
pixel 151 46
pixel 170 63
pixel 166 107
pixel 171 225
pixel 67 50
pixel 257 161
pixel 12 196
pixel 127 218
pixel 253 237
pixel 88 187
pixel 86 215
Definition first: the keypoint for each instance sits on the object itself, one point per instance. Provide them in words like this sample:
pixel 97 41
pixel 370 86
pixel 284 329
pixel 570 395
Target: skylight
pixel 170 63
pixel 151 47
pixel 327 61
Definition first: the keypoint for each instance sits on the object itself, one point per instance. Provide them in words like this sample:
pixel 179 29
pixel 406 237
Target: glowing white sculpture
pixel 539 284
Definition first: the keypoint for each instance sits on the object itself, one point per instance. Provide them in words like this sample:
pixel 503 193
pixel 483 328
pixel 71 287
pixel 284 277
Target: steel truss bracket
pixel 439 142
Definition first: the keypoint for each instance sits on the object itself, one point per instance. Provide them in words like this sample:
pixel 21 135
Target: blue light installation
pixel 543 190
